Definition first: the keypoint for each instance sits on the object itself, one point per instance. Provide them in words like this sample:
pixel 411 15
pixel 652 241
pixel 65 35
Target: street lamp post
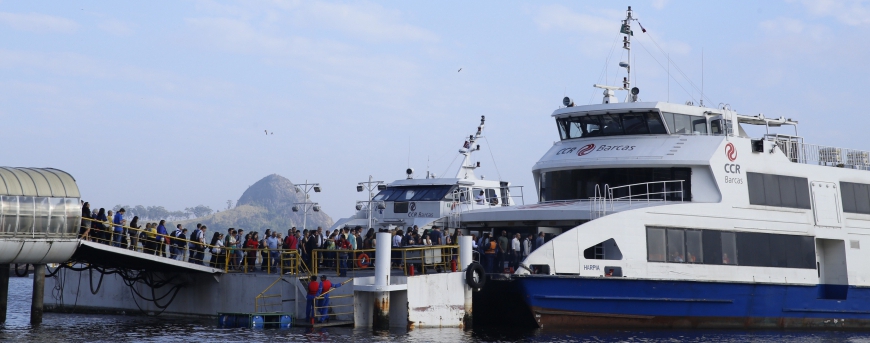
pixel 370 186
pixel 306 205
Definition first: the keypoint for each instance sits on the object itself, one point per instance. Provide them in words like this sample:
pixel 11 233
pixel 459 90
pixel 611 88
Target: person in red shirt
pixel 314 291
pixel 252 246
pixel 325 285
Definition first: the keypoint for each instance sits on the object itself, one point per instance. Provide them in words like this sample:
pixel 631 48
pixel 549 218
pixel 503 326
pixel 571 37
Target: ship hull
pixel 584 302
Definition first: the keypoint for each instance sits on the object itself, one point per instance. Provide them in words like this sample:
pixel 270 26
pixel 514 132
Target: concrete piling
pixel 383 258
pixel 4 290
pixel 38 294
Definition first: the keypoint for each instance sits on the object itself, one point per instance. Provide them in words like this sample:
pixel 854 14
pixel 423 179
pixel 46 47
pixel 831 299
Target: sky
pixel 166 102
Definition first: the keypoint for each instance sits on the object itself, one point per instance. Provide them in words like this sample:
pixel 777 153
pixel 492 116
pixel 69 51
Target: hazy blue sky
pixel 166 102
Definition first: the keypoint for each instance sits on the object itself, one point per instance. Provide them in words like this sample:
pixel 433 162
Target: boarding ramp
pixel 107 256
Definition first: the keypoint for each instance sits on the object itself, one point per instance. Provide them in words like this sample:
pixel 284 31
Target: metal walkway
pixel 114 257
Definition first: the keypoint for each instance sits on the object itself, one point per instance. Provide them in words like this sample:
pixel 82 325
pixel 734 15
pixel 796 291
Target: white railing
pixel 799 152
pixel 644 192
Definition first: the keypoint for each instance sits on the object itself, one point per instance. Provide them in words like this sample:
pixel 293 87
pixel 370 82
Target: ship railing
pixel 411 260
pixel 799 152
pixel 645 192
pixel 268 302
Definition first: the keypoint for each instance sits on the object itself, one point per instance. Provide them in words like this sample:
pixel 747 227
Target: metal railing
pixel 229 259
pixel 414 259
pixel 799 152
pixel 260 302
pixel 645 192
pixel 325 309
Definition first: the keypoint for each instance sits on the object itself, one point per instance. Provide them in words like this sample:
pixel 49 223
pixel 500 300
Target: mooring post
pixel 381 316
pixel 38 294
pixel 465 258
pixel 4 290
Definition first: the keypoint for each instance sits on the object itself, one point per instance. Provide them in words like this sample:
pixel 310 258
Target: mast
pixel 466 170
pixel 626 81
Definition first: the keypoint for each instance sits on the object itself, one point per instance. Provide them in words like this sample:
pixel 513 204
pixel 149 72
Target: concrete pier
pixel 4 290
pixel 381 308
pixel 38 294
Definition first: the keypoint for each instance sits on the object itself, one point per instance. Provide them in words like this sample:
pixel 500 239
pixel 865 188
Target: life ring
pixel 476 282
pixel 363 261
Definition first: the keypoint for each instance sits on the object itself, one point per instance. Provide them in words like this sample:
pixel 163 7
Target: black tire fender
pixel 475 268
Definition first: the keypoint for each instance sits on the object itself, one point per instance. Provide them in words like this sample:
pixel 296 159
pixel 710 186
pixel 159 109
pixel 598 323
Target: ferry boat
pixel 431 200
pixel 674 217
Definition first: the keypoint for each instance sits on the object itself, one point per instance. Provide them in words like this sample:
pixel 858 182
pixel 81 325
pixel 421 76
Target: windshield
pixel 611 124
pixel 418 193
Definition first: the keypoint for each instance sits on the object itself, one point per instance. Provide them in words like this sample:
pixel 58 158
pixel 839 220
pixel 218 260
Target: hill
pixel 267 204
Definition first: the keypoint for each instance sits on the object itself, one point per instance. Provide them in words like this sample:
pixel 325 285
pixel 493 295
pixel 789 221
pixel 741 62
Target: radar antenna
pixel 466 170
pixel 626 81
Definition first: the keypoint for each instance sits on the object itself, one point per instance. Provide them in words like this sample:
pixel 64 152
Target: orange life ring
pixel 363 261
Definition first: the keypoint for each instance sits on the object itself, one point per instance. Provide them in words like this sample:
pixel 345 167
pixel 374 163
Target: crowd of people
pixel 240 251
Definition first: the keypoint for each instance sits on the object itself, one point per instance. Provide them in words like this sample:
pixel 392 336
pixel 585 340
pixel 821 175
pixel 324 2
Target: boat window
pixel 694 250
pixel 655 244
pixel 682 124
pixel 676 246
pixel 781 191
pixel 384 194
pixel 654 122
pixel 716 127
pixel 580 184
pixel 607 250
pixel 9 222
pixel 491 196
pixel 25 214
pixel 611 124
pixel 400 207
pixel 421 193
pixel 856 197
pixel 732 248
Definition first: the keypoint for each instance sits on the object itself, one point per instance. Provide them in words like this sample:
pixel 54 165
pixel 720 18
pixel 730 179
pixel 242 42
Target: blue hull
pixel 622 302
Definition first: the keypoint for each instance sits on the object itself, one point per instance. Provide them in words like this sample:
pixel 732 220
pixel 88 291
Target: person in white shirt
pixel 480 199
pixel 516 249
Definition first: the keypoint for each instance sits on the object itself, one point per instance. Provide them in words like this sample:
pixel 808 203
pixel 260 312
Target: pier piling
pixel 4 290
pixel 381 308
pixel 38 294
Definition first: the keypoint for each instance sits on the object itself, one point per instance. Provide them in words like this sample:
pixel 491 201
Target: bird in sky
pixel 460 69
pixel 266 131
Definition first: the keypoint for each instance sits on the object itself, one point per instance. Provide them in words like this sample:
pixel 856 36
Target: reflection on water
pixel 119 328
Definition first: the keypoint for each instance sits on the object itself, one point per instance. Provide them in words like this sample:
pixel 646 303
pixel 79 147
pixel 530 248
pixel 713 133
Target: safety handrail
pixel 263 296
pixel 333 258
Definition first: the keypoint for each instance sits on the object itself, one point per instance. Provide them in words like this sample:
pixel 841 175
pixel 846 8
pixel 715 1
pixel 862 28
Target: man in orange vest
pixel 326 285
pixel 314 291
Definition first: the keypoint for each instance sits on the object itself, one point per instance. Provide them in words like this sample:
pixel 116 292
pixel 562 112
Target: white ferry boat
pixel 433 200
pixel 674 216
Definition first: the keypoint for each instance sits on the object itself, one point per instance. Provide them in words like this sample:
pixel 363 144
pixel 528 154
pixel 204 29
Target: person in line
pixel 173 242
pixel 240 240
pixel 503 252
pixel 198 251
pixel 231 245
pixel 343 247
pixel 490 253
pixel 117 234
pixel 351 238
pixel 397 243
pixel 251 248
pixel 181 243
pixel 134 233
pixel 325 287
pixel 314 291
pixel 85 229
pixel 311 244
pixel 436 236
pixel 539 241
pixel 527 245
pixel 217 250
pixel 162 239
pixel 264 253
pixel 516 252
pixel 272 246
pixel 107 233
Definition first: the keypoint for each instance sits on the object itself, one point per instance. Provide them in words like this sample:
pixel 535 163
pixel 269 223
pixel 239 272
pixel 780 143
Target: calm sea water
pixel 136 328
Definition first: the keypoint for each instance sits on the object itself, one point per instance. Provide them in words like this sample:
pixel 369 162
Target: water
pixel 59 327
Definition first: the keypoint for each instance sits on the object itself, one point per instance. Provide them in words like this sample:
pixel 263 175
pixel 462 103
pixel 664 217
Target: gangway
pixel 108 256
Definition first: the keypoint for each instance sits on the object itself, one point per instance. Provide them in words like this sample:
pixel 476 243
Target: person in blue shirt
pixel 119 221
pixel 325 287
pixel 162 236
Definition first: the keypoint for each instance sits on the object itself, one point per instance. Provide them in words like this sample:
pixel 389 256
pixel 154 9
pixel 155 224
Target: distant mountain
pixel 267 204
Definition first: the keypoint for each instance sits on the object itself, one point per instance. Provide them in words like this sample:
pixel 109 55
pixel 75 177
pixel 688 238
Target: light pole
pixel 306 205
pixel 370 186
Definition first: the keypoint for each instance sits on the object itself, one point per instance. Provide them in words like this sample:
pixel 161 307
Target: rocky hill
pixel 267 204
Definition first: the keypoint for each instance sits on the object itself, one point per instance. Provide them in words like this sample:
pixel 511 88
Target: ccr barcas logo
pixel 586 149
pixel 730 152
